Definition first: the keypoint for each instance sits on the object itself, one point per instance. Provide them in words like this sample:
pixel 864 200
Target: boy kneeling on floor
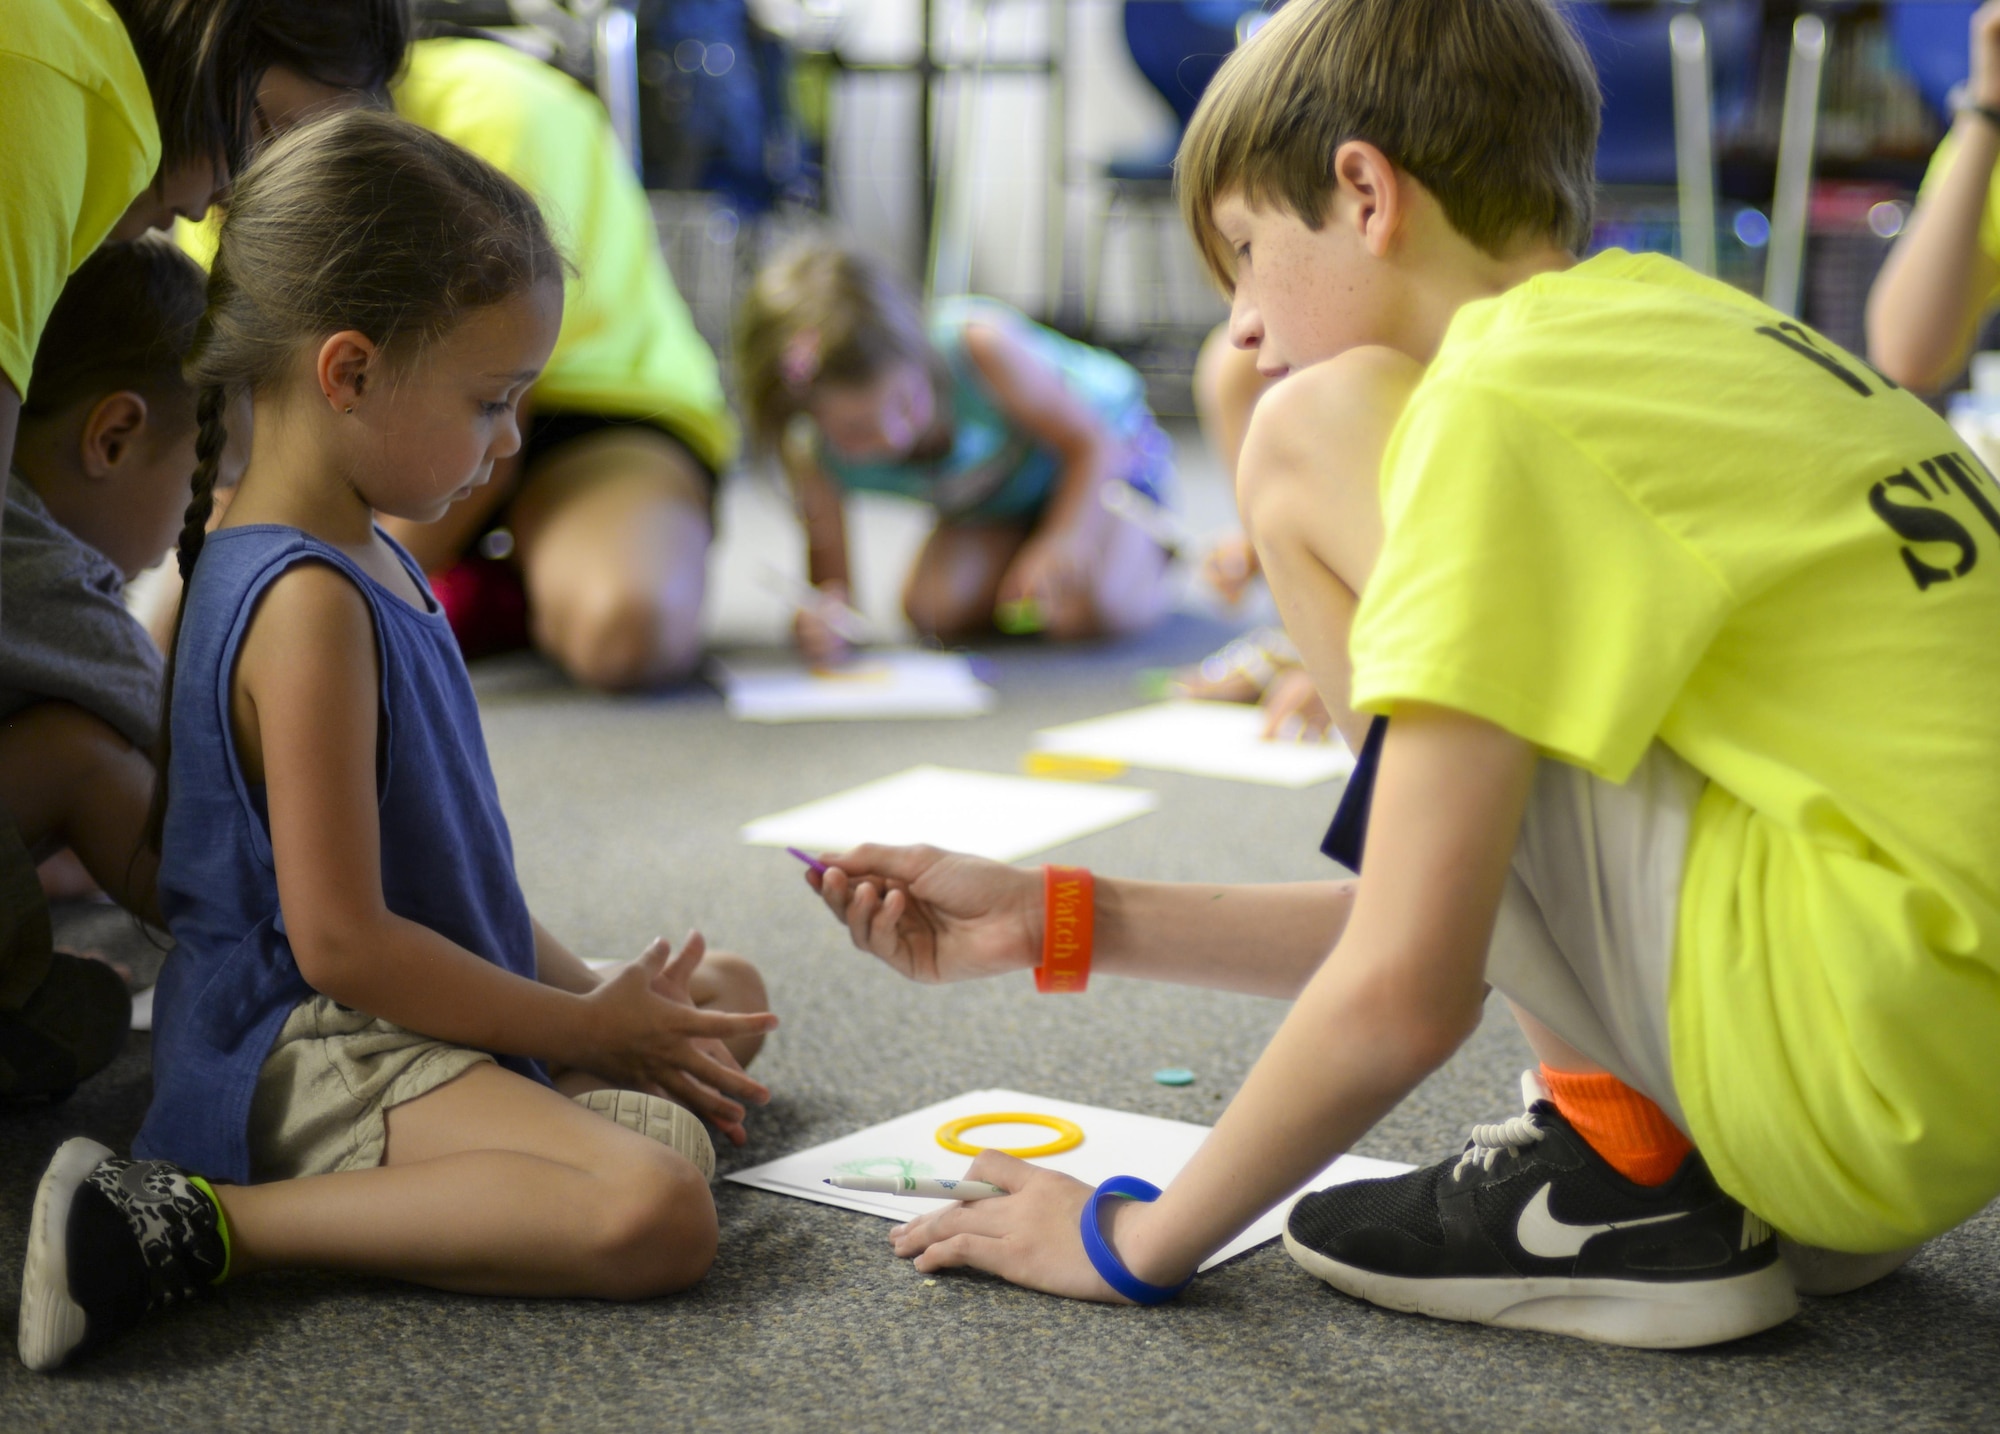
pixel 100 481
pixel 1672 623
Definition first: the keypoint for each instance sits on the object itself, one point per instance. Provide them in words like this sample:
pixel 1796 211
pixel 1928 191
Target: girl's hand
pixel 820 629
pixel 1031 1236
pixel 650 1038
pixel 1293 709
pixel 934 915
pixel 1229 568
pixel 1053 570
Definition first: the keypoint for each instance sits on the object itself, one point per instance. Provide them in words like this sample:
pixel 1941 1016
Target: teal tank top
pixel 996 472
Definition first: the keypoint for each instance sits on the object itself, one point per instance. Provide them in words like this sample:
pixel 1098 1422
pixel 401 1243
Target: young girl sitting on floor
pixel 360 1014
pixel 1007 428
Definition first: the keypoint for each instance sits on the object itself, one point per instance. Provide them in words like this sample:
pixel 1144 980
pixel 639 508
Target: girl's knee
pixel 655 1232
pixel 934 609
pixel 614 636
pixel 736 984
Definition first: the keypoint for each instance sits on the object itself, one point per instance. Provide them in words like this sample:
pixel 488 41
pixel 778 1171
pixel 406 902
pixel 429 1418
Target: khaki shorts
pixel 1584 942
pixel 324 1095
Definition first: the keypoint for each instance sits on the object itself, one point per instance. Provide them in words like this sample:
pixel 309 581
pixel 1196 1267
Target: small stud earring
pixel 348 409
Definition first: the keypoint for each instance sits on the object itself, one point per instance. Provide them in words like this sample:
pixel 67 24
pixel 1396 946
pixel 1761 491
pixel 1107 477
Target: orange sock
pixel 1632 1134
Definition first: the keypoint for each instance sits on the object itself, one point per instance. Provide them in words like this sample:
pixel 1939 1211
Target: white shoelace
pixel 1489 1142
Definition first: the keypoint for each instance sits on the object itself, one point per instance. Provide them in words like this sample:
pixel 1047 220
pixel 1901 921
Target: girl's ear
pixel 110 430
pixel 346 368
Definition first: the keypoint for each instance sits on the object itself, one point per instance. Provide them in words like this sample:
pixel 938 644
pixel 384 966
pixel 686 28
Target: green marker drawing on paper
pixel 886 1164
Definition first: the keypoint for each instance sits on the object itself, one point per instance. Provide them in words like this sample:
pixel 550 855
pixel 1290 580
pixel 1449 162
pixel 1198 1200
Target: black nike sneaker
pixel 1530 1228
pixel 110 1240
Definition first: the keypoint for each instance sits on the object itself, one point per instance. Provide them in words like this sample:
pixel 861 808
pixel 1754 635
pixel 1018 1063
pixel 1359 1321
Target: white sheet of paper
pixel 1002 818
pixel 1115 1142
pixel 142 1010
pixel 876 685
pixel 1207 739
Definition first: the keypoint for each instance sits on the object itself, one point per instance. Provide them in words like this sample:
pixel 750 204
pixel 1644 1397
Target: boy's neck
pixel 45 458
pixel 1461 274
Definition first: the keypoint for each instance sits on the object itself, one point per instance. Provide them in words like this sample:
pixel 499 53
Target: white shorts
pixel 1584 942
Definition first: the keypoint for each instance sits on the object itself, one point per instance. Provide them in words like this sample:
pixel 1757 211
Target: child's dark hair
pixel 820 314
pixel 200 66
pixel 350 44
pixel 356 221
pixel 125 320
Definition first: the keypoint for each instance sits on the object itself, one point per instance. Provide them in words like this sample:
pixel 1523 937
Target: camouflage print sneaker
pixel 109 1241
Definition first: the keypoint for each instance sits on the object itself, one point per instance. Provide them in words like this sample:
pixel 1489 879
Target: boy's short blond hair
pixel 1491 105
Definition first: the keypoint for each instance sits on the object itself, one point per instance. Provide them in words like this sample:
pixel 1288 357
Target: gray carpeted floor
pixel 625 813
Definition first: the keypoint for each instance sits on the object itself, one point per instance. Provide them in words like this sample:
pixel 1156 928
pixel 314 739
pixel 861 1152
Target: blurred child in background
pixel 1008 429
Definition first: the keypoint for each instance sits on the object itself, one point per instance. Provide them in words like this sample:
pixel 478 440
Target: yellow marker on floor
pixel 1070 768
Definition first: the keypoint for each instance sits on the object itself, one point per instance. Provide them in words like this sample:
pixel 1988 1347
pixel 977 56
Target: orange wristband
pixel 1069 895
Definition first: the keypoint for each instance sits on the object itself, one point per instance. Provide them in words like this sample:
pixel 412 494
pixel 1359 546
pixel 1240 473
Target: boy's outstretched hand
pixel 935 915
pixel 1030 1236
pixel 654 1038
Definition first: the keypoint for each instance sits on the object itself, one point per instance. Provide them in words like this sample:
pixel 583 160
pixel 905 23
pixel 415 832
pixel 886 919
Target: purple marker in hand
pixel 813 862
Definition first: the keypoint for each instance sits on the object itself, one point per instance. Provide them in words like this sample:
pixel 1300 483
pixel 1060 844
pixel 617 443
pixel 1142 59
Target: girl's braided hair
pixel 360 221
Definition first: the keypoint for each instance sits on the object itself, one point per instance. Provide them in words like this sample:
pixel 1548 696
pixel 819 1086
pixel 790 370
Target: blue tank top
pixel 996 472
pixel 447 860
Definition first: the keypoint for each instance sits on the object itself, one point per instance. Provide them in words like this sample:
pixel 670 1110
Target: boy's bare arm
pixel 1399 993
pixel 1925 307
pixel 937 916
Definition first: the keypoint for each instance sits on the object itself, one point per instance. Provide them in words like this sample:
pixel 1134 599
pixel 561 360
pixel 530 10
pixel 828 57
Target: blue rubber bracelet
pixel 1106 1259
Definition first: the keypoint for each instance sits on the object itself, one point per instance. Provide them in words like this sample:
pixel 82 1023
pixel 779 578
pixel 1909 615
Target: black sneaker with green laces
pixel 1530 1228
pixel 109 1241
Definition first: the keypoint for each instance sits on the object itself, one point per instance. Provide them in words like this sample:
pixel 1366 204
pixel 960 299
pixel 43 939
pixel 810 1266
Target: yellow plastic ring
pixel 1069 1134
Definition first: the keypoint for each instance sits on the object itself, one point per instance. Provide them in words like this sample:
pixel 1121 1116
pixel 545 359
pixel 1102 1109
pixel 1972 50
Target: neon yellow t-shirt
pixel 1628 503
pixel 628 347
pixel 78 143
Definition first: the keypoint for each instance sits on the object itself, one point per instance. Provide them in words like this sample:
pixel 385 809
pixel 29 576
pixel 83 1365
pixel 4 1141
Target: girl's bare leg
pixel 1308 488
pixel 613 531
pixel 492 1184
pixel 955 582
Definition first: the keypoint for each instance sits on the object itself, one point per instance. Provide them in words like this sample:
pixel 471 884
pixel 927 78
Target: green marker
pixel 1020 617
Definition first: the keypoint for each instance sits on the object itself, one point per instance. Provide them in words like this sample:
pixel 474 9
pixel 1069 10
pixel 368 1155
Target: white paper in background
pixel 1001 818
pixel 1206 739
pixel 142 1009
pixel 1115 1142
pixel 874 686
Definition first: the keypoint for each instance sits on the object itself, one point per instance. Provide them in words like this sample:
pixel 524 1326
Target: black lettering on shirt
pixel 1807 345
pixel 1968 483
pixel 1922 522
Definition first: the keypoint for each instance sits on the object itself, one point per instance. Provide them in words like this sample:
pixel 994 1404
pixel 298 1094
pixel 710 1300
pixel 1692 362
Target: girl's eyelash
pixel 494 410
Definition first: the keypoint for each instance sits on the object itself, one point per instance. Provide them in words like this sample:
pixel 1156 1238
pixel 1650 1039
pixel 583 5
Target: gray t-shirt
pixel 68 635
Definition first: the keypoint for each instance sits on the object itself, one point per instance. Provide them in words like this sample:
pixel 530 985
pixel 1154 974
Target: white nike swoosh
pixel 1545 1237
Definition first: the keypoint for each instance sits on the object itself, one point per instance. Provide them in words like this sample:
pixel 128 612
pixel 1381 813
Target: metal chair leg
pixel 1694 143
pixel 1791 203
